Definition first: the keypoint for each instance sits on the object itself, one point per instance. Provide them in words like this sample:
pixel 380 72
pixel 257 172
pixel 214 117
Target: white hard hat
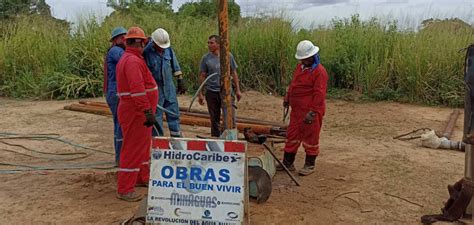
pixel 306 49
pixel 161 38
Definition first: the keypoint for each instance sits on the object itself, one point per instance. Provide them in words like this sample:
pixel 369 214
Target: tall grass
pixel 385 63
pixel 41 58
pixel 33 50
pixel 264 49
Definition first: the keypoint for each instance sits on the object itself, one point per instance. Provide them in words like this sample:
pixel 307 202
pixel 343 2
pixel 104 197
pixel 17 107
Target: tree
pixel 14 8
pixel 208 8
pixel 156 5
pixel 448 25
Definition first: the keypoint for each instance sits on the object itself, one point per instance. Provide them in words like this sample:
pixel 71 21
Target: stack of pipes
pixel 194 117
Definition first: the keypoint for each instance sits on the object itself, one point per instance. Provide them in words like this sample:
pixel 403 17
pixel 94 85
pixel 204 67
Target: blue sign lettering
pixel 169 174
pixel 196 174
pixel 224 173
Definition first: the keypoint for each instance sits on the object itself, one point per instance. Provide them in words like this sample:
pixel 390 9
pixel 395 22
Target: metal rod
pixel 282 165
pixel 449 128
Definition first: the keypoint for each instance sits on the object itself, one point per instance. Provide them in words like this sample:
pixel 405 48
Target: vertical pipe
pixel 468 173
pixel 225 65
pixel 468 136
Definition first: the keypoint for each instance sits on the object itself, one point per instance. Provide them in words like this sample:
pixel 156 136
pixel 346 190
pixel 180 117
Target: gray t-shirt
pixel 210 64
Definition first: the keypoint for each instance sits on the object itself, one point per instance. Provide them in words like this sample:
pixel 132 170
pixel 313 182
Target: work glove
pixel 181 86
pixel 309 118
pixel 150 119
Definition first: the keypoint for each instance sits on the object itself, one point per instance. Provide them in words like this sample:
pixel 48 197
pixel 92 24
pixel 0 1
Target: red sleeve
pixel 319 91
pixel 287 96
pixel 134 72
pixel 288 92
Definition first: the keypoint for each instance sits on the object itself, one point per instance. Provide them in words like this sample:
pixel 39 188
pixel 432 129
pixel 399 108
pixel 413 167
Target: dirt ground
pixel 358 155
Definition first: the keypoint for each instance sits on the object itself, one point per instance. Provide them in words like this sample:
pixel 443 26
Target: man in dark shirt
pixel 210 64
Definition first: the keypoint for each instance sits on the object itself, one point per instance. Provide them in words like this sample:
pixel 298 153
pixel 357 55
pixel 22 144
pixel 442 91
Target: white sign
pixel 196 181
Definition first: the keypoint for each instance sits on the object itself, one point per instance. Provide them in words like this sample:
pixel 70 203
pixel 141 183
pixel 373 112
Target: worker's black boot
pixel 309 166
pixel 288 159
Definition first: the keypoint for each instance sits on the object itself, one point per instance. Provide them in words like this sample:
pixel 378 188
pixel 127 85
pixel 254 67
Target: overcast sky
pixel 307 13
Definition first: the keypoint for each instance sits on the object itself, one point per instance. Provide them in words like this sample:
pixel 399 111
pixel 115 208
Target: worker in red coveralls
pixel 138 94
pixel 306 96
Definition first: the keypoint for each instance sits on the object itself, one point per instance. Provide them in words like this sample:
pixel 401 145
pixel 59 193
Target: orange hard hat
pixel 135 32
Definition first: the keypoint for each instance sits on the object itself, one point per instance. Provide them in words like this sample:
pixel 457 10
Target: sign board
pixel 197 181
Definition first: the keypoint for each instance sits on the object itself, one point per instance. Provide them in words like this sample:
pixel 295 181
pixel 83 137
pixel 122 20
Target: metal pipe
pixel 225 66
pixel 184 119
pixel 199 113
pixel 468 136
pixel 89 109
pixel 448 129
pixel 105 111
pixel 260 129
pixel 270 150
pixel 239 120
pixel 98 104
pixel 452 145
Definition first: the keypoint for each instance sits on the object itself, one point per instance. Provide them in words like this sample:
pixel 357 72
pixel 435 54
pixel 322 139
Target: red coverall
pixel 307 92
pixel 137 91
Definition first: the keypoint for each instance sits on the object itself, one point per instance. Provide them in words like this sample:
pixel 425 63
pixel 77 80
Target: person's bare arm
pixel 202 77
pixel 235 79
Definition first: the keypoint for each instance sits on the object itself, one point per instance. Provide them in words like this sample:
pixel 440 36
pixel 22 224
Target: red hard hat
pixel 135 32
